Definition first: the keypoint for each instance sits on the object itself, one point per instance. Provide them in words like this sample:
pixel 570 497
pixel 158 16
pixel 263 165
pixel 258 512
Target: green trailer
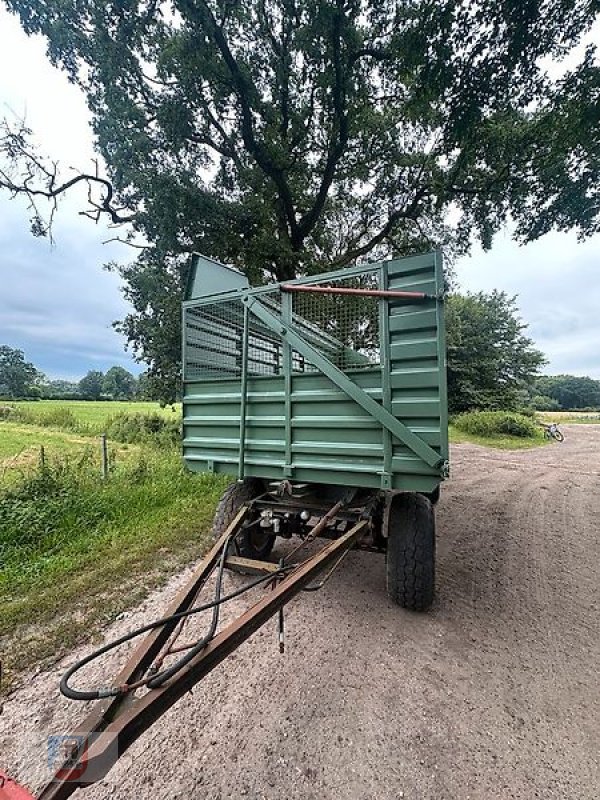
pixel 325 399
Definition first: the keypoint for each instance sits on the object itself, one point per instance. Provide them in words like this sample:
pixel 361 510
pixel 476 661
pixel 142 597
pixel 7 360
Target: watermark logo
pixel 69 757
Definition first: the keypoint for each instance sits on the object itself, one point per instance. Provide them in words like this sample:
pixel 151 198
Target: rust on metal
pixel 121 720
pixel 317 529
pixel 288 287
pixel 140 660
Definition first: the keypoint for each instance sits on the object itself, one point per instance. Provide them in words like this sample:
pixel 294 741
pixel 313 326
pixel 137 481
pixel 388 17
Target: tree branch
pixel 339 136
pixel 245 91
pixel 409 213
pixel 30 176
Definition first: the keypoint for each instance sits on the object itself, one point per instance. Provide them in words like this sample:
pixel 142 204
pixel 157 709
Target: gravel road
pixel 492 694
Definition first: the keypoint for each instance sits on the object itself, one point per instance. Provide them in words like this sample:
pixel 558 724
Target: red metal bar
pixel 289 287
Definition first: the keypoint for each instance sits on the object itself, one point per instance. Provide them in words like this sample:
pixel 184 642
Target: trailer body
pixel 332 380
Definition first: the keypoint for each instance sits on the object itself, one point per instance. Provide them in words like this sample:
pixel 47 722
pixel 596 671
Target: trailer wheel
pixel 254 543
pixel 410 564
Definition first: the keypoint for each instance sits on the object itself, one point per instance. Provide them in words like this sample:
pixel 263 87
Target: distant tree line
pixel 492 365
pixel 554 392
pixel 19 378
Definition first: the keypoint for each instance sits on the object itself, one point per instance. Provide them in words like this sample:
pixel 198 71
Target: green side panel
pixel 304 425
pixel 208 276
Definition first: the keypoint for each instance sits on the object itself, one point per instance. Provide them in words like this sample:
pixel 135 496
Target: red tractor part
pixel 11 790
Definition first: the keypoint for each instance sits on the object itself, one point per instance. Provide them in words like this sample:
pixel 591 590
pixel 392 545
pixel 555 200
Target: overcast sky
pixel 57 303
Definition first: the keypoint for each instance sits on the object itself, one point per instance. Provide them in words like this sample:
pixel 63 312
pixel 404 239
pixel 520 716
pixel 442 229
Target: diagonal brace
pixel 290 334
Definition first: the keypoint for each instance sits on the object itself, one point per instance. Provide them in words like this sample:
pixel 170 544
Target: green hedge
pixel 496 423
pixel 143 429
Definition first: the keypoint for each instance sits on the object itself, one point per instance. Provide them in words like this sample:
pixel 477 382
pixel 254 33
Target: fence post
pixel 104 451
pixel 42 458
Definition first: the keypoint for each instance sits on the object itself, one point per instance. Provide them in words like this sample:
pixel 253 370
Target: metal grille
pixel 214 343
pixel 344 328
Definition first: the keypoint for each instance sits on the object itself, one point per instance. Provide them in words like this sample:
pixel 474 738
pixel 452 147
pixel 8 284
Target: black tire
pixel 410 565
pixel 558 436
pixel 433 497
pixel 253 543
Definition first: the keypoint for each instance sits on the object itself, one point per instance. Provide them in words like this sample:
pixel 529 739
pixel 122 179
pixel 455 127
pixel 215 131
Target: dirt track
pixel 493 694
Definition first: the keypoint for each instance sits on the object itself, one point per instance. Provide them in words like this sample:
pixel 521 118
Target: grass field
pixel 94 414
pixel 578 417
pixel 76 550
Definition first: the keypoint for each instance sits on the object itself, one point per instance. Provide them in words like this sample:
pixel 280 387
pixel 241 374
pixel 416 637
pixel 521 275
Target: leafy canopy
pixel 18 378
pixel 570 391
pixel 119 384
pixel 491 362
pixel 291 135
pixel 90 386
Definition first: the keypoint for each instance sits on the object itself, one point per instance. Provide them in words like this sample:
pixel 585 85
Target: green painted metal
pixel 374 409
pixel 207 276
pixel 287 409
pixel 243 395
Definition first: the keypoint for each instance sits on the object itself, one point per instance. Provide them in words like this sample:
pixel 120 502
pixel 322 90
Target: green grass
pixel 497 442
pixel 570 417
pixel 76 551
pixel 92 415
pixel 18 440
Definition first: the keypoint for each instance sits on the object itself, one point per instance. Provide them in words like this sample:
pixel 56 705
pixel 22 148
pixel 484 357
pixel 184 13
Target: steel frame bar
pixel 123 719
pixel 315 289
pixel 143 656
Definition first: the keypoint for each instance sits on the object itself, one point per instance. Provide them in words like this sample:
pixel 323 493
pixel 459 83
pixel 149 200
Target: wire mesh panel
pixel 254 405
pixel 213 342
pixel 344 327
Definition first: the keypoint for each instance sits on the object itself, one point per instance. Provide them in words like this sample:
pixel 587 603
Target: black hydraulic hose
pixel 160 677
pixel 97 694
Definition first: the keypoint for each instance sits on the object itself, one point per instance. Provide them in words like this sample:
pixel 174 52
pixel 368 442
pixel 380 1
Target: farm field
pixel 18 440
pixel 577 417
pixel 71 540
pixel 93 413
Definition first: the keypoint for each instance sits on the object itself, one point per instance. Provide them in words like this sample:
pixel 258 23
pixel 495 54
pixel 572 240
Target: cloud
pixel 557 280
pixel 56 303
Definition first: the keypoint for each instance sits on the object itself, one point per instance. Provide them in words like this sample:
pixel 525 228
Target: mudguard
pixel 11 790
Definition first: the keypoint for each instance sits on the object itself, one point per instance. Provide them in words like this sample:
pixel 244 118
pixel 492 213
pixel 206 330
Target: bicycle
pixel 551 431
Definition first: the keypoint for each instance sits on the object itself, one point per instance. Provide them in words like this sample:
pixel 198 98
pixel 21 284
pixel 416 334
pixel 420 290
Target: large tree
pixel 285 136
pixel 492 363
pixel 119 384
pixel 17 376
pixel 90 386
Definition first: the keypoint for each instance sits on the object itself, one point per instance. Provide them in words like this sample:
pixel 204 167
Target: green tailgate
pixel 338 388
